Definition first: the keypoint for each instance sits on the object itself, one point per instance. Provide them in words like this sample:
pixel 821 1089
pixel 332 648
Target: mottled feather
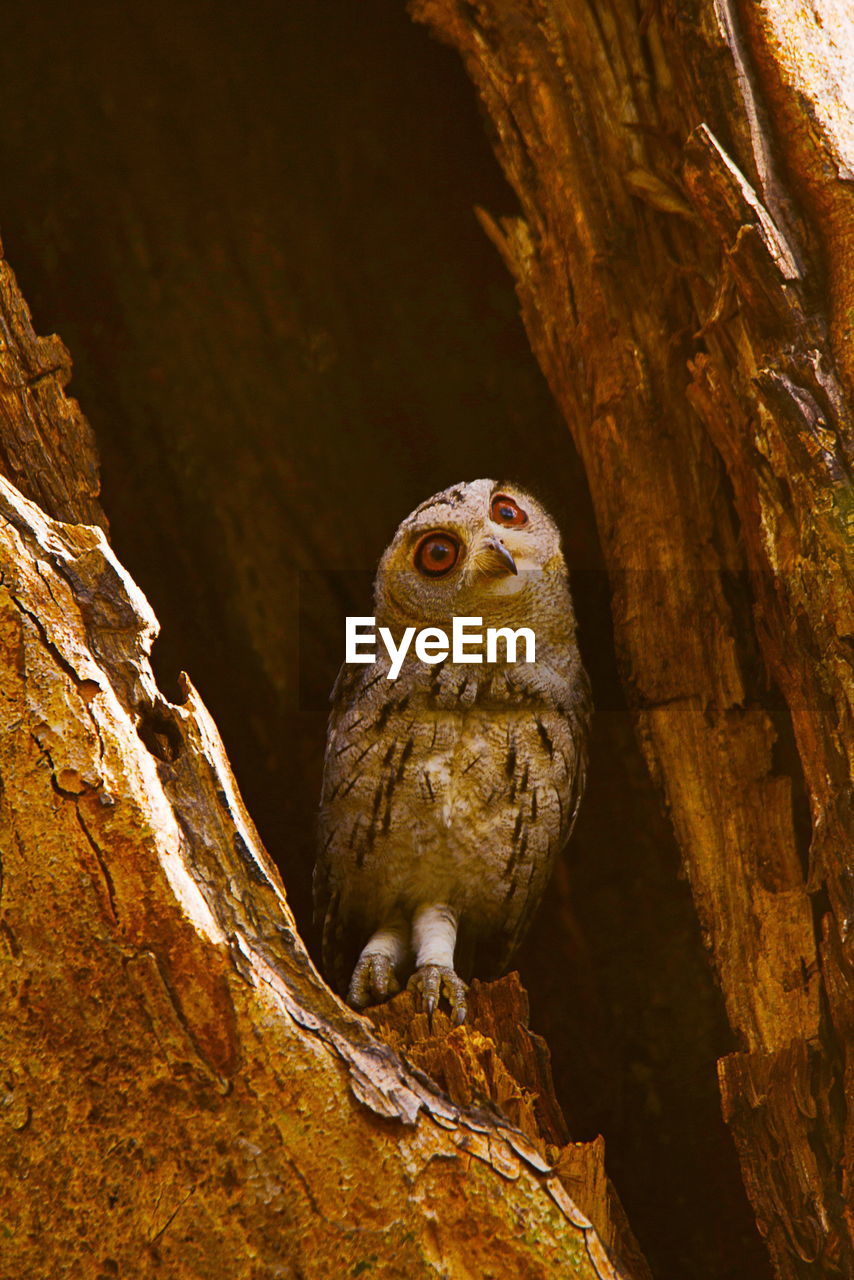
pixel 456 784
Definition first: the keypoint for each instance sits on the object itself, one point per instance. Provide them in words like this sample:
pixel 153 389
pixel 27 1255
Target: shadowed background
pixel 253 228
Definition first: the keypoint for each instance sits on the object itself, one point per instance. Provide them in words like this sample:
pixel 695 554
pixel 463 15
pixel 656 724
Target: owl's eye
pixel 437 554
pixel 505 511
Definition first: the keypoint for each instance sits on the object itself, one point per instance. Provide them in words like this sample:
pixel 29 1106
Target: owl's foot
pixel 432 981
pixel 373 981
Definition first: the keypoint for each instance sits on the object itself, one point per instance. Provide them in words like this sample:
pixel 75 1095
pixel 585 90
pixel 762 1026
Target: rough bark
pixel 46 444
pixel 495 1060
pixel 181 1093
pixel 683 262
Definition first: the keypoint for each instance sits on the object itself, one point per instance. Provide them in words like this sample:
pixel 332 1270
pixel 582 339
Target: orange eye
pixel 505 511
pixel 437 554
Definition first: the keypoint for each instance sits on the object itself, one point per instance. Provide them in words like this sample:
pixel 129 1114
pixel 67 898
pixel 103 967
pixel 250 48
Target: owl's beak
pixel 493 559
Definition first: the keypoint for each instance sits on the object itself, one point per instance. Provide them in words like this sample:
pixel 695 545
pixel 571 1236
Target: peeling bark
pixel 683 264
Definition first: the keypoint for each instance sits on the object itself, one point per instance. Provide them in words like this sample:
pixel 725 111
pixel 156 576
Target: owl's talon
pixel 374 980
pixel 432 981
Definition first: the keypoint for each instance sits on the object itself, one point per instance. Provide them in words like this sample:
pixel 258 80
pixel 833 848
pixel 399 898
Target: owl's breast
pixel 494 799
pixel 467 775
pixel 465 803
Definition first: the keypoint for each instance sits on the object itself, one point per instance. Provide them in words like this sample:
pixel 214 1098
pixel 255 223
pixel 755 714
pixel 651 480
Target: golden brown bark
pixel 693 319
pixel 494 1059
pixel 181 1094
pixel 155 1085
pixel 46 444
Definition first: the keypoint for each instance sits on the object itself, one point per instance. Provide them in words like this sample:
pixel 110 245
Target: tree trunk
pixel 684 262
pixel 182 1095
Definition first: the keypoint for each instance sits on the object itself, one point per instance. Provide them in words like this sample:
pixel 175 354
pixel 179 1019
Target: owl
pixel 448 791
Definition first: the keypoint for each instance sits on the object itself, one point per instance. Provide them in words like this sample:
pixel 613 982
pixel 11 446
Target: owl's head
pixel 479 549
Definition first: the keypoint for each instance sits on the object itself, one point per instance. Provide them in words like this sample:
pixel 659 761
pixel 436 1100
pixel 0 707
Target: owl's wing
pixel 507 940
pixel 365 705
pixel 328 918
